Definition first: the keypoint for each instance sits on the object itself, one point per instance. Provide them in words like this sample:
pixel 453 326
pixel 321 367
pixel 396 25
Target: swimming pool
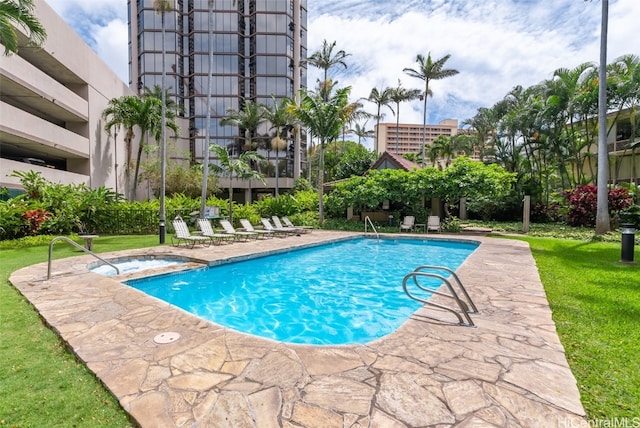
pixel 339 293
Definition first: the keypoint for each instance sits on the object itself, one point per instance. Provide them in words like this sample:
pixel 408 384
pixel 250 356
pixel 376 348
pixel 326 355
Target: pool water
pixel 340 293
pixel 134 265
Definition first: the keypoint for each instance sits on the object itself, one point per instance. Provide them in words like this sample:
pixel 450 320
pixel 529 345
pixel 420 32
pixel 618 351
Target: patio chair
pixel 433 223
pixel 280 232
pixel 183 236
pixel 408 223
pixel 277 224
pixel 304 229
pixel 228 229
pixel 207 230
pixel 248 227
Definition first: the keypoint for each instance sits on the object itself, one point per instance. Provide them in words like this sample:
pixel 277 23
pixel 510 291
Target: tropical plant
pixel 18 14
pixel 361 131
pixel 325 120
pixel 281 118
pixel 399 95
pixel 381 98
pixel 247 120
pixel 429 70
pixel 325 59
pixel 354 160
pixel 239 167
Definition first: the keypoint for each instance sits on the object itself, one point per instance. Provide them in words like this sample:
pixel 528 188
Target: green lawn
pixel 595 302
pixel 596 307
pixel 42 384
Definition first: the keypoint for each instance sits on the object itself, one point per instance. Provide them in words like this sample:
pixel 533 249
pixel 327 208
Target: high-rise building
pixel 409 138
pixel 257 47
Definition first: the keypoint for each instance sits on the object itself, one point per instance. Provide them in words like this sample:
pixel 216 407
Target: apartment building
pixel 408 138
pixel 257 47
pixel 51 102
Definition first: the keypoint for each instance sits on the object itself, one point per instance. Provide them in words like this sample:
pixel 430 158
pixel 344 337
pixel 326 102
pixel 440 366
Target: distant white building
pixel 51 102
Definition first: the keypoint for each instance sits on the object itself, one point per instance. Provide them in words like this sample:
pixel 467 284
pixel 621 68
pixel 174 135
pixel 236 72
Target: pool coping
pixel 510 370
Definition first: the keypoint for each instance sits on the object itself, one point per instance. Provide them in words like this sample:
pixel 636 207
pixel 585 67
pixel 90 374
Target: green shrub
pixel 306 201
pixel 12 222
pixel 283 205
pixel 245 211
pixel 451 224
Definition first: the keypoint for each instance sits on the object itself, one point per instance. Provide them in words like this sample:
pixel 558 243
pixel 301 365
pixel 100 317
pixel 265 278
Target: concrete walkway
pixel 509 371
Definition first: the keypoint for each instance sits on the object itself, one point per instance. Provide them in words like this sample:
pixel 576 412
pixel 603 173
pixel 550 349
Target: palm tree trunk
pixel 321 184
pixel 602 213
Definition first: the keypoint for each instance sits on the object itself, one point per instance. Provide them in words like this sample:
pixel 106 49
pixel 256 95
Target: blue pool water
pixel 339 293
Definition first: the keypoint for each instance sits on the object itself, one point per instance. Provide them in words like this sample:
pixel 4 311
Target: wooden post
pixel 526 213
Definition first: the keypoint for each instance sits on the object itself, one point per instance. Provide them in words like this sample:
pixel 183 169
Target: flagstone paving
pixel 508 371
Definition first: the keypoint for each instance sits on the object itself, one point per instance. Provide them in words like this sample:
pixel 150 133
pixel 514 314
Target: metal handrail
pixel 367 219
pixel 464 307
pixel 64 238
pixel 455 276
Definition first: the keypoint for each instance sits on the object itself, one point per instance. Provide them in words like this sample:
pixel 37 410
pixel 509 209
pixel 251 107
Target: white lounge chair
pixel 304 229
pixel 207 230
pixel 248 227
pixel 228 229
pixel 183 236
pixel 408 223
pixel 433 223
pixel 281 232
pixel 279 226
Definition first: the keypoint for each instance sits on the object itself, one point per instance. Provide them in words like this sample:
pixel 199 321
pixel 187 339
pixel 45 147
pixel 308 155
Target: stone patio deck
pixel 509 371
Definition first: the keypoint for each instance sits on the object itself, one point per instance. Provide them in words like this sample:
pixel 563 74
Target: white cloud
pixel 495 44
pixel 110 42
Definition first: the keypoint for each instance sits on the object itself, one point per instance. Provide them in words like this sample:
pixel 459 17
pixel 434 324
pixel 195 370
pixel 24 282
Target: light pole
pixel 163 143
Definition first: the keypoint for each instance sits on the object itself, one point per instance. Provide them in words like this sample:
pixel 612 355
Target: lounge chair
pixel 408 223
pixel 433 223
pixel 277 224
pixel 248 227
pixel 281 232
pixel 228 229
pixel 304 229
pixel 183 236
pixel 207 230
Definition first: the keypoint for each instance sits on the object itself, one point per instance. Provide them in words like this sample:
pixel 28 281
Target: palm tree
pixel 398 95
pixel 380 97
pixel 19 14
pixel 325 120
pixel 325 59
pixel 119 113
pixel 248 119
pixel 361 131
pixel 239 167
pixel 130 111
pixel 427 71
pixel 280 116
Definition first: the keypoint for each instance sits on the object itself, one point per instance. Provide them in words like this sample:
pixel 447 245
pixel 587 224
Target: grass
pixel 42 384
pixel 595 302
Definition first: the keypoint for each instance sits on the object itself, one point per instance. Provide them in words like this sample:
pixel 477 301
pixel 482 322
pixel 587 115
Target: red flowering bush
pixel 35 218
pixel 583 203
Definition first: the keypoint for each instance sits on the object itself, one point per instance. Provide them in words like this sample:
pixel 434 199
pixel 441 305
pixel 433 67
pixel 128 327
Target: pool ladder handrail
pixel 64 238
pixel 367 219
pixel 466 307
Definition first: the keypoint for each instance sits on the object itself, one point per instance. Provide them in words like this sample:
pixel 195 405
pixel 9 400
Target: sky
pixel 494 44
